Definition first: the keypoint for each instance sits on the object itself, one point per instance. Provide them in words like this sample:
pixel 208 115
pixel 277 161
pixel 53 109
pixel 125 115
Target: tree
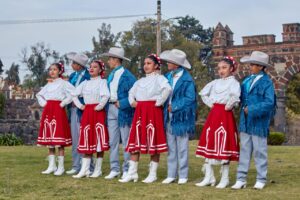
pixel 13 75
pixel 106 39
pixel 293 94
pixel 37 62
pixel 1 65
pixel 193 30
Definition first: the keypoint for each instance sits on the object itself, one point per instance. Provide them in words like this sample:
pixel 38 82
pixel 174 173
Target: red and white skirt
pixel 219 137
pixel 54 126
pixel 147 134
pixel 93 135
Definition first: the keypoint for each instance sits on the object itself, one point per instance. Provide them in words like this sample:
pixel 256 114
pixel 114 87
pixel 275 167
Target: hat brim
pixel 115 56
pixel 247 59
pixel 165 56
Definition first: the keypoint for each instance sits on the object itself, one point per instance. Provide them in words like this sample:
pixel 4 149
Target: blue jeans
pixel 257 146
pixel 178 152
pixel 75 125
pixel 115 134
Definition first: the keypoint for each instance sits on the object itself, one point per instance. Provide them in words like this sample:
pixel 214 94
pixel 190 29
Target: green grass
pixel 20 178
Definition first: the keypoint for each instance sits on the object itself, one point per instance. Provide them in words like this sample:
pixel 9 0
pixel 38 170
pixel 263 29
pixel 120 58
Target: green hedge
pixel 276 138
pixel 10 140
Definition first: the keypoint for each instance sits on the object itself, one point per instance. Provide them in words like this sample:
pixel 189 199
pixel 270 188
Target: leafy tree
pixel 293 94
pixel 37 61
pixel 193 30
pixel 1 65
pixel 13 74
pixel 106 39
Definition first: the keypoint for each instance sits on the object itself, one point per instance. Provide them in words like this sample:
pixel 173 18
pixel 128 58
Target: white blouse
pixel 94 91
pixel 58 89
pixel 153 87
pixel 114 85
pixel 223 91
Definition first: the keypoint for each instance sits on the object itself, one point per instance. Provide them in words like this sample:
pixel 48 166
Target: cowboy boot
pixel 60 170
pixel 132 174
pixel 52 166
pixel 84 171
pixel 152 173
pixel 209 178
pixel 224 179
pixel 98 168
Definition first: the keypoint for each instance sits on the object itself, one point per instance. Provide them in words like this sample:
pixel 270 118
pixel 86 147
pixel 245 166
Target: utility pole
pixel 158 31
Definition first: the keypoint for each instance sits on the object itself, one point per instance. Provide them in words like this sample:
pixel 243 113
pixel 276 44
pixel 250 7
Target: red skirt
pixel 93 135
pixel 54 126
pixel 219 137
pixel 147 134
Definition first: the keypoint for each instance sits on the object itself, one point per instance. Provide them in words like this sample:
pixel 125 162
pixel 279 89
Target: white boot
pixel 85 168
pixel 132 174
pixel 61 169
pixel 52 166
pixel 98 168
pixel 152 173
pixel 224 179
pixel 239 185
pixel 209 178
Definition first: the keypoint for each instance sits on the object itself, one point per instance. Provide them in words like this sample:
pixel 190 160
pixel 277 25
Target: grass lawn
pixel 20 178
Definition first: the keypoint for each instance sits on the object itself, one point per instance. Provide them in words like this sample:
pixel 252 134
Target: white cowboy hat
pixel 257 57
pixel 117 52
pixel 80 58
pixel 177 57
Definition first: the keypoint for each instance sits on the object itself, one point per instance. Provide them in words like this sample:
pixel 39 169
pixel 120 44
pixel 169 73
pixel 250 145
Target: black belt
pixel 112 102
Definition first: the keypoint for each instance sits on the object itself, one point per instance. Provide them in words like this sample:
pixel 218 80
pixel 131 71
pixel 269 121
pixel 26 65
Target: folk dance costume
pixel 75 113
pixel 147 134
pixel 93 136
pixel 180 122
pixel 54 127
pixel 258 96
pixel 119 119
pixel 218 142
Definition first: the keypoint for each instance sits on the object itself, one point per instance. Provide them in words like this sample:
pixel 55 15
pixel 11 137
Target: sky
pixel 243 17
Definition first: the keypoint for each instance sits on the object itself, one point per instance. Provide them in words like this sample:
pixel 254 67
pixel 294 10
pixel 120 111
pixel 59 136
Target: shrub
pixel 276 138
pixel 10 140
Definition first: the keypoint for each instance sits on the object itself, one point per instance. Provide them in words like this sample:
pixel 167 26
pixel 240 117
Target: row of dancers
pixel 156 114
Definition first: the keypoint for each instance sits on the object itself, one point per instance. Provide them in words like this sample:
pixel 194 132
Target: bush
pixel 10 140
pixel 276 138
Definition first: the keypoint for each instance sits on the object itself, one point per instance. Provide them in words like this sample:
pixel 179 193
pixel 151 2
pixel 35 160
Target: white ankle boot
pixel 152 173
pixel 61 169
pixel 85 166
pixel 132 174
pixel 239 185
pixel 98 168
pixel 209 178
pixel 224 179
pixel 52 166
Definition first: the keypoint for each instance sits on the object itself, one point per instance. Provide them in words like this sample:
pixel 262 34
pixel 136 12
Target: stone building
pixel 284 56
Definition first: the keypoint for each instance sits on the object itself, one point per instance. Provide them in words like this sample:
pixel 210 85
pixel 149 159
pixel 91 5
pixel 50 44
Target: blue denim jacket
pixel 184 105
pixel 261 103
pixel 126 112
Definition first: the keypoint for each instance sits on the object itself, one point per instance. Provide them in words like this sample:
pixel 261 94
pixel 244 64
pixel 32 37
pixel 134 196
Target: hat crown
pixel 178 55
pixel 80 58
pixel 117 51
pixel 260 56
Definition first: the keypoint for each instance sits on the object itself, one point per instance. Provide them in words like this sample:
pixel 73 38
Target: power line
pixel 36 21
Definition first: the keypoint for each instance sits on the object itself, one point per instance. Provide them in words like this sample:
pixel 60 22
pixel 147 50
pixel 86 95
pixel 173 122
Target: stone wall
pixel 21 117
